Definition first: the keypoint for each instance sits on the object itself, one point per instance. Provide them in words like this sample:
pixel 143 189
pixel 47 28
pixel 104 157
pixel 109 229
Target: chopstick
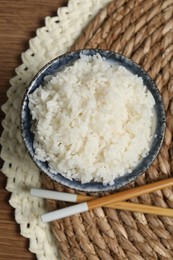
pixel 100 202
pixel 134 207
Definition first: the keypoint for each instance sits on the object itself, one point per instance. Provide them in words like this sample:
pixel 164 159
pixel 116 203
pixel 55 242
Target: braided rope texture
pixel 143 31
pixel 54 39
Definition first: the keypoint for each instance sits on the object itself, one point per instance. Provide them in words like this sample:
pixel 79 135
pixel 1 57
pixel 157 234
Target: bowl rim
pixel 121 181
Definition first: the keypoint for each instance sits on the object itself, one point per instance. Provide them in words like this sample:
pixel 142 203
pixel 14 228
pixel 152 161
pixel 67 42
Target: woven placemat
pixel 143 31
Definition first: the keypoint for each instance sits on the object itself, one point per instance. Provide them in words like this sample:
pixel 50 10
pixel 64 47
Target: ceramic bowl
pixel 58 64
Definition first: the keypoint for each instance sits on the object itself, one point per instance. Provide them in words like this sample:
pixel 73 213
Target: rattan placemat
pixel 143 31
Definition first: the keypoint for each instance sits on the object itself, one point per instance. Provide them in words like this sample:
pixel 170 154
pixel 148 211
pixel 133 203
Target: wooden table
pixel 19 20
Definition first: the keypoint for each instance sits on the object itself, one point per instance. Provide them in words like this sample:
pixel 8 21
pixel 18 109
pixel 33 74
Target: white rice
pixel 92 121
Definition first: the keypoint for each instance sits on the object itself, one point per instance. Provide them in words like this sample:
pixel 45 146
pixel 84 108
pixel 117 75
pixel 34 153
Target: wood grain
pixel 19 20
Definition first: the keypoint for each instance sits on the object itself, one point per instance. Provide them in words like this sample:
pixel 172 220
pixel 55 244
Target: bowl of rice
pixel 92 120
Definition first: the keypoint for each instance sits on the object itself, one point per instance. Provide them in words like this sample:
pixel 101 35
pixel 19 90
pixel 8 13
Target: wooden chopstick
pixel 134 207
pixel 100 202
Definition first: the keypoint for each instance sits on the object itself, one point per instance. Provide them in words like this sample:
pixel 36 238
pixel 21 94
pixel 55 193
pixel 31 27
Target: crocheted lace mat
pixel 52 40
pixel 143 31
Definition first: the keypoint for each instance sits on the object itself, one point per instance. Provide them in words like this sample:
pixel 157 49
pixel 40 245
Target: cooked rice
pixel 92 121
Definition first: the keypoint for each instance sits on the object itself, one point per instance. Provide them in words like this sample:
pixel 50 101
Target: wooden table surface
pixel 19 20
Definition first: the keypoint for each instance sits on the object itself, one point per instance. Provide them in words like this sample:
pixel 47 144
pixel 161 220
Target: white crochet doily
pixel 54 39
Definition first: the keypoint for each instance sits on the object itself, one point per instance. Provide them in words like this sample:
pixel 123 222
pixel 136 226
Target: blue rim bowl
pixel 58 64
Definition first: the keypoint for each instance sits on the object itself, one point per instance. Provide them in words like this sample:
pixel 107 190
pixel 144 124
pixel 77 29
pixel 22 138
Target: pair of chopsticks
pixel 111 201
